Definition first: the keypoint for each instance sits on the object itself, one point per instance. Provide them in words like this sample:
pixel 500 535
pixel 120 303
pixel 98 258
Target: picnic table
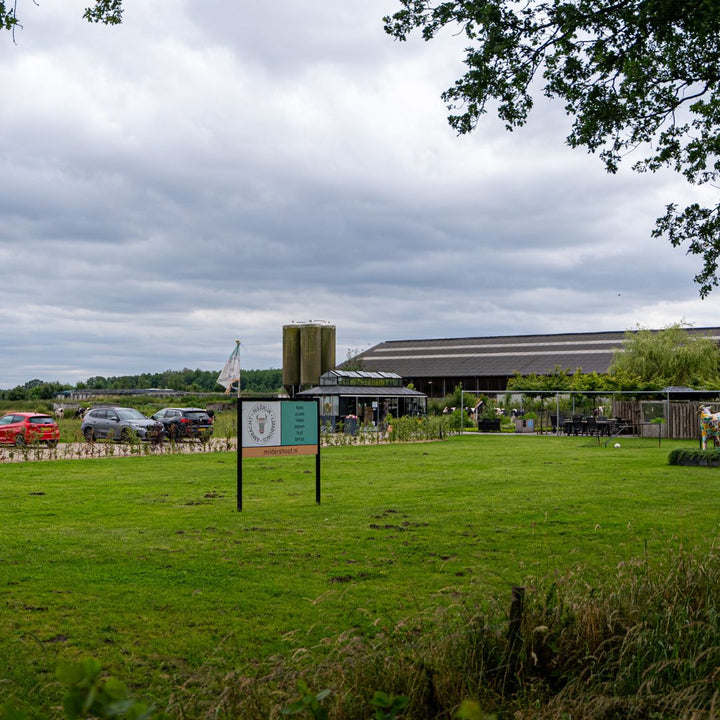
pixel 592 426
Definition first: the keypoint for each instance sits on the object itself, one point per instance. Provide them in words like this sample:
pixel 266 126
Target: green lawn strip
pixel 145 563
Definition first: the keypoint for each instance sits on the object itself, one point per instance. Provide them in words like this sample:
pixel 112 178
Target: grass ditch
pixel 398 581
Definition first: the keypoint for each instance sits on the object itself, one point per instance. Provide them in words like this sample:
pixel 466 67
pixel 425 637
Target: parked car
pixel 120 423
pixel 23 428
pixel 188 422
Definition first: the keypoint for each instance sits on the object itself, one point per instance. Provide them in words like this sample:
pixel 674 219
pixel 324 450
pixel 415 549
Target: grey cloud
pixel 181 181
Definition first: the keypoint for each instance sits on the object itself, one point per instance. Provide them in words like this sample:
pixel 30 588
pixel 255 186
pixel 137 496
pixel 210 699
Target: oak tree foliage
pixel 632 74
pixel 108 12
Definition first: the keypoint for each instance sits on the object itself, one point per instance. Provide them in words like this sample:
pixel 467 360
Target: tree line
pixel 185 380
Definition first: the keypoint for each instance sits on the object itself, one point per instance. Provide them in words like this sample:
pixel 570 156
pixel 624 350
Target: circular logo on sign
pixel 261 423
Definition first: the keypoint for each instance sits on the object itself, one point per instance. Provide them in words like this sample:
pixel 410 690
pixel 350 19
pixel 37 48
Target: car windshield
pixel 130 414
pixel 41 420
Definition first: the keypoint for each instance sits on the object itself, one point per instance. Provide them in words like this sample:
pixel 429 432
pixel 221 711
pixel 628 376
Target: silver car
pixel 120 423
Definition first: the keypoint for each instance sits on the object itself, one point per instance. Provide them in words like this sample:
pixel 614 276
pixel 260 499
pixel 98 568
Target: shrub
pixel 703 458
pixel 406 429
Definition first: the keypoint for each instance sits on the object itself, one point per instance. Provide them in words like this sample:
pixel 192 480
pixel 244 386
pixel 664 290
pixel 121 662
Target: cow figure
pixel 709 426
pixel 60 413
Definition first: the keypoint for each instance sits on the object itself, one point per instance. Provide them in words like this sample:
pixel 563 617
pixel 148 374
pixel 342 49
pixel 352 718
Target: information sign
pixel 272 428
pixel 279 428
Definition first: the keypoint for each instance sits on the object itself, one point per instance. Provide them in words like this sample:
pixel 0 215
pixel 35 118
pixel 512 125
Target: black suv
pixel 189 422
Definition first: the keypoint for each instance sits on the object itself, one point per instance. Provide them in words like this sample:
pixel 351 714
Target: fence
pixel 679 417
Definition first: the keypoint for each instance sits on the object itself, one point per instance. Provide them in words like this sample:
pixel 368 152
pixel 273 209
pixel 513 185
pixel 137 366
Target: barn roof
pixel 500 355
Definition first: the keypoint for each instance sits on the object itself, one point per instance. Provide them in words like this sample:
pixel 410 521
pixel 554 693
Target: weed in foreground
pixel 89 695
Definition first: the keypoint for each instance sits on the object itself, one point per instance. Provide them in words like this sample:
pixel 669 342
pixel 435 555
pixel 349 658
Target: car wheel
pixel 126 435
pixel 89 434
pixel 173 432
pixel 52 443
pixel 19 440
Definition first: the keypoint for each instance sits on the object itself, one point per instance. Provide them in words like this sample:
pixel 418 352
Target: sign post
pixel 278 428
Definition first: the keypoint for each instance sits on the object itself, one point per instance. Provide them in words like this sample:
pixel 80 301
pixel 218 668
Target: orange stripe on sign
pixel 279 451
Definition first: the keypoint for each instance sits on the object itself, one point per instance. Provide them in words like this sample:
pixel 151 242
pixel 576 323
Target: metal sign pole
pixel 239 455
pixel 239 436
pixel 317 456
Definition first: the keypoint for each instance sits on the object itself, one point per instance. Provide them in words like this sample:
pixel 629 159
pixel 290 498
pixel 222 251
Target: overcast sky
pixel 210 172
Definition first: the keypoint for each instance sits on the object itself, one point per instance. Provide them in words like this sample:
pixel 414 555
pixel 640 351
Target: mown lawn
pixel 145 564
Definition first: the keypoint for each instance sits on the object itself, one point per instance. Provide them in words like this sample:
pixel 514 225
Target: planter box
pixel 489 425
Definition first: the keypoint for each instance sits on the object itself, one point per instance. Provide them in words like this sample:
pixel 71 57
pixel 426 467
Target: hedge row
pixel 703 458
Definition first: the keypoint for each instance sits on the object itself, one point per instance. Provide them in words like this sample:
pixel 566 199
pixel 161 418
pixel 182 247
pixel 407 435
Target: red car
pixel 23 428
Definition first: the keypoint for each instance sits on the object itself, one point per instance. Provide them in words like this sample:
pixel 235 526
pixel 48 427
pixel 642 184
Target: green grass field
pixel 145 564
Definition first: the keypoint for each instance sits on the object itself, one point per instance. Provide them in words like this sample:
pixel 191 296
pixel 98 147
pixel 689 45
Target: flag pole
pixel 237 347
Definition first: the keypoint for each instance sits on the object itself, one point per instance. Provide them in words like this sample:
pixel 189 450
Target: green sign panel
pixel 299 424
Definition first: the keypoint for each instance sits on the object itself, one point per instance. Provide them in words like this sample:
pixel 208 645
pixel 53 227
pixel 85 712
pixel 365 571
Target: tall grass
pixel 645 645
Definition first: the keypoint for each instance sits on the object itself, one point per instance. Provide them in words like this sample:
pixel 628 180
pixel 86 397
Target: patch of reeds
pixel 404 429
pixel 645 646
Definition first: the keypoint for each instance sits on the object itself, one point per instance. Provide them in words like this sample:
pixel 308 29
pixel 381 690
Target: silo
pixel 327 348
pixel 310 353
pixel 291 356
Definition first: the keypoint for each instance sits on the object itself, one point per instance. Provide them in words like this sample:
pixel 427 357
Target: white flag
pixel 231 372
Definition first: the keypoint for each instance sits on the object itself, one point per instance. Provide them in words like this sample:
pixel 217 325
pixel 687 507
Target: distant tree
pixel 353 361
pixel 95 383
pixel 16 393
pixel 108 12
pixel 46 390
pixel 34 390
pixel 266 382
pixel 631 73
pixel 558 379
pixel 669 357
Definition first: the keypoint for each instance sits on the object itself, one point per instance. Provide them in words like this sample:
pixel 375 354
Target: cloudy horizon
pixel 187 179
